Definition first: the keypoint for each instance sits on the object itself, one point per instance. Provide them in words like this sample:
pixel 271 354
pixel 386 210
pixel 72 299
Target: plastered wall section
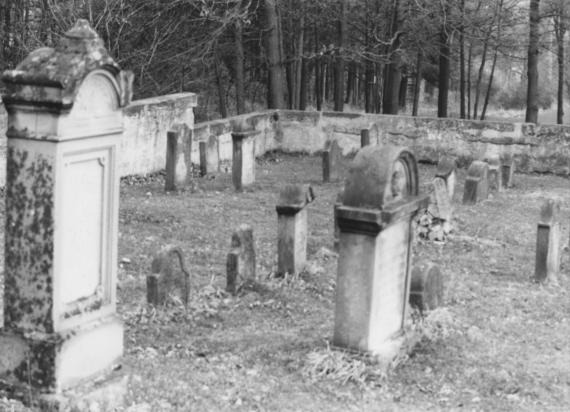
pixel 146 122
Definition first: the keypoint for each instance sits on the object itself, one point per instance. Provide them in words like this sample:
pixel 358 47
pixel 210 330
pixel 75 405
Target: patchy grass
pixel 501 343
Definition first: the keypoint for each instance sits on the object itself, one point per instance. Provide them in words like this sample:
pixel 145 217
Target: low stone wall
pixel 536 148
pixel 143 144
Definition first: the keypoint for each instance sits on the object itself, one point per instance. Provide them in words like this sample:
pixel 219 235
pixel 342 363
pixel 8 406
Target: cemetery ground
pixel 500 343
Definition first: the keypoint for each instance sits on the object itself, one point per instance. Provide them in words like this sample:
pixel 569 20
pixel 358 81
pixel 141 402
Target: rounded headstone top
pixel 63 68
pixel 380 175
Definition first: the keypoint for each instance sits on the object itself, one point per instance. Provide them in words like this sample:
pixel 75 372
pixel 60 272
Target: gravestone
pixel 426 291
pixel 446 170
pixel 375 220
pixel 178 163
pixel 212 155
pixel 442 209
pixel 547 263
pixel 62 338
pixel 203 159
pixel 507 170
pixel 331 161
pixel 243 158
pixel 364 137
pixel 292 228
pixel 477 183
pixel 240 263
pixel 495 174
pixel 169 277
pixel 338 203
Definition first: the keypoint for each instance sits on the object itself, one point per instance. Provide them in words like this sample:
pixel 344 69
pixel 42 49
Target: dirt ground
pixel 500 343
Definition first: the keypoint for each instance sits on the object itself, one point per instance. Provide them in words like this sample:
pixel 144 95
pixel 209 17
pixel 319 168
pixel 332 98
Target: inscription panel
pixel 85 205
pixel 389 288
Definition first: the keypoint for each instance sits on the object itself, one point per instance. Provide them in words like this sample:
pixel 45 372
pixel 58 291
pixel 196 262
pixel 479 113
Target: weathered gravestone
pixel 331 161
pixel 441 208
pixel 426 292
pixel 477 183
pixel 240 263
pixel 375 220
pixel 178 162
pixel 495 174
pixel 547 263
pixel 169 277
pixel 364 137
pixel 203 162
pixel 338 203
pixel 507 170
pixel 292 228
pixel 62 339
pixel 243 158
pixel 212 155
pixel 446 170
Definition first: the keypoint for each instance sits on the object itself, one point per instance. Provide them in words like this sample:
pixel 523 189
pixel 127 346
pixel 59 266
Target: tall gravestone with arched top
pixel 375 221
pixel 65 121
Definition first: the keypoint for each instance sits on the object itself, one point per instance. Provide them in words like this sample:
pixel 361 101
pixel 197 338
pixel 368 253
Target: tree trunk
pixel 462 62
pixel 392 73
pixel 532 64
pixel 418 84
pixel 469 61
pixel 299 50
pixel 339 66
pixel 239 68
pixel 303 86
pixel 560 30
pixel 220 86
pixel 444 73
pixel 403 93
pixel 273 51
pixel 498 41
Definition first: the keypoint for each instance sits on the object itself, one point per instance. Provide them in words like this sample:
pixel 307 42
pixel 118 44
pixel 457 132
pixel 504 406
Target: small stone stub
pixel 331 161
pixel 426 291
pixel 477 183
pixel 169 277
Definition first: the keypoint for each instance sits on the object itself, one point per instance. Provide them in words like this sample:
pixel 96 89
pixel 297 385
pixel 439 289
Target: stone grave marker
pixel 169 277
pixel 212 155
pixel 292 228
pixel 426 292
pixel 547 265
pixel 243 158
pixel 240 263
pixel 507 170
pixel 364 137
pixel 203 159
pixel 373 279
pixel 446 170
pixel 62 338
pixel 338 203
pixel 331 161
pixel 495 174
pixel 477 183
pixel 178 163
pixel 442 209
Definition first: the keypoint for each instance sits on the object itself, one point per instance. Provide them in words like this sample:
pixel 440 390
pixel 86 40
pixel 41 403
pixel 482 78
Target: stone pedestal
pixel 178 163
pixel 373 280
pixel 292 228
pixel 243 159
pixel 547 265
pixel 477 183
pixel 331 158
pixel 212 155
pixel 61 331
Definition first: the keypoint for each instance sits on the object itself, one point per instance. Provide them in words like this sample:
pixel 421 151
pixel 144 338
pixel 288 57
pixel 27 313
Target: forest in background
pixel 367 55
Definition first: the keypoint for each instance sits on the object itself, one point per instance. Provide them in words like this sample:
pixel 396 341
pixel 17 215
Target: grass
pixel 499 344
